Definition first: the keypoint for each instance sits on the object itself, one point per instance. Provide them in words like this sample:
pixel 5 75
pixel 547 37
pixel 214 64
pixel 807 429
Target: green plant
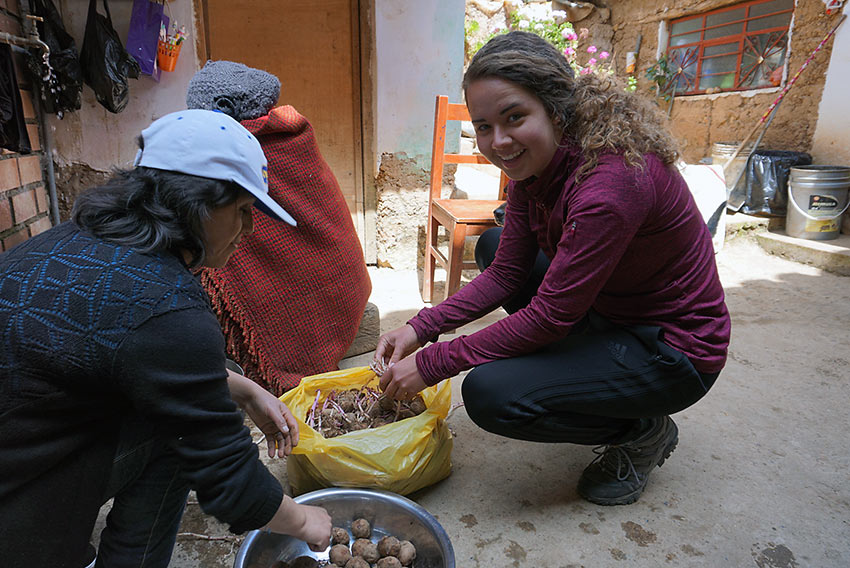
pixel 662 75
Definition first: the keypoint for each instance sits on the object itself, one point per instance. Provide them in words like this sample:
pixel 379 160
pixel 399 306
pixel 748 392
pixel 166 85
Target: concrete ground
pixel 761 476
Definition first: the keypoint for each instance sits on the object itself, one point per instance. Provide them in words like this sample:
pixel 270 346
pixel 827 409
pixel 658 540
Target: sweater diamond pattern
pixel 66 292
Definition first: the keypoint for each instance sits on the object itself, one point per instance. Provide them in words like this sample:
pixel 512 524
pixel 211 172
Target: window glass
pixel 725 17
pixel 724 31
pixel 721 64
pixel 775 21
pixel 722 49
pixel 770 7
pixel 686 26
pixel 685 39
pixel 723 81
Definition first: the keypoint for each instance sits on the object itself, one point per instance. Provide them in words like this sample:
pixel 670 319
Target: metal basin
pixel 388 513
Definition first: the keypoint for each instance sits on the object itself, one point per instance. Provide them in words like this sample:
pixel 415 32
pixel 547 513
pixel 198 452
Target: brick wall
pixel 24 206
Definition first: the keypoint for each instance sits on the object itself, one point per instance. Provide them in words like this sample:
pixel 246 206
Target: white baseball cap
pixel 210 144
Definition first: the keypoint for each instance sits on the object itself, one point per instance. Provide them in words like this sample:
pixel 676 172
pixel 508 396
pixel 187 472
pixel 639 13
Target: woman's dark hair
pixel 597 114
pixel 153 210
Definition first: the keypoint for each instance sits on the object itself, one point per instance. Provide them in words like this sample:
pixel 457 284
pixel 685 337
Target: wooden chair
pixel 460 217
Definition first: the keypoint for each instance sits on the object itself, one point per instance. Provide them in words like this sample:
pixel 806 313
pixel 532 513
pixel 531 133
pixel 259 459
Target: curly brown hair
pixel 597 114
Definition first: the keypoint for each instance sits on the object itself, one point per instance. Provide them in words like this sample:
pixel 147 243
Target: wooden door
pixel 314 49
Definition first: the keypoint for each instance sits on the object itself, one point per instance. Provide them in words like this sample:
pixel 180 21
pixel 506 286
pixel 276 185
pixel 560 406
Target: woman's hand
pixel 402 380
pixel 305 522
pixel 395 345
pixel 270 415
pixel 274 420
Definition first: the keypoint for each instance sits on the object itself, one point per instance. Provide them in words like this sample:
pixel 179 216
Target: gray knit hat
pixel 233 88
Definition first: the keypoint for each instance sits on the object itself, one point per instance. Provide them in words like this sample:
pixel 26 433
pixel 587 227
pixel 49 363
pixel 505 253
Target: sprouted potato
pixel 358 409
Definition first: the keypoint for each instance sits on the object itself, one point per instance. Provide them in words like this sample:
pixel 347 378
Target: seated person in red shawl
pixel 291 299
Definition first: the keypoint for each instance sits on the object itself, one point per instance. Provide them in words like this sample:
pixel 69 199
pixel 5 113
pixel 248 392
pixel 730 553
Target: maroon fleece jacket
pixel 628 242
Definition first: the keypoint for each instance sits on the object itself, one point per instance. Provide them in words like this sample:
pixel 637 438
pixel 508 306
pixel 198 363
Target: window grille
pixel 740 47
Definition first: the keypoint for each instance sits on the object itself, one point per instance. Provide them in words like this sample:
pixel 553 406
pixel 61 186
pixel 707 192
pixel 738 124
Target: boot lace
pixel 616 460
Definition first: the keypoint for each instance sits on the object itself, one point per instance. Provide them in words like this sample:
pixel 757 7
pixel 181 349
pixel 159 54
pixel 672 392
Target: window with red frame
pixel 737 48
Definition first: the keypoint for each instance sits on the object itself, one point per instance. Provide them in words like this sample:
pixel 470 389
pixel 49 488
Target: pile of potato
pixel 388 552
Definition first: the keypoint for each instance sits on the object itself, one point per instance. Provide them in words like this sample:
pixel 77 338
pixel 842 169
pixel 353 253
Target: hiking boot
pixel 619 473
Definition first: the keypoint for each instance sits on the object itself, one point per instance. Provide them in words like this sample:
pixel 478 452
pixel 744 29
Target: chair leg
pixel 458 238
pixel 428 261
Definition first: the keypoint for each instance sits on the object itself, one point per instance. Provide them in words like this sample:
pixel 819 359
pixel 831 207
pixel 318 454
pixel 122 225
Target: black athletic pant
pixel 592 387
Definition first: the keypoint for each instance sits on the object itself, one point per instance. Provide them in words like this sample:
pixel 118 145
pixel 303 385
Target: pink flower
pixel 585 71
pixel 591 62
pixel 604 55
pixel 568 34
pixel 591 49
pixel 569 52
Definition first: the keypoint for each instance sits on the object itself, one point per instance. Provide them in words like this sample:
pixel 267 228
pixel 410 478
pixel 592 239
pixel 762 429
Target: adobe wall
pixel 700 121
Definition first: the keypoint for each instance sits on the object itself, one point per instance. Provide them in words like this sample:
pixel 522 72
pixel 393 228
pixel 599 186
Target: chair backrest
pixel 444 112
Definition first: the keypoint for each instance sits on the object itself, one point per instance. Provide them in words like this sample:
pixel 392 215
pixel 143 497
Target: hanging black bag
pixel 106 64
pixel 61 93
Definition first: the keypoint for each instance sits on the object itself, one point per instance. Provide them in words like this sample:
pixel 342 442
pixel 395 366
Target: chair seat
pixel 468 211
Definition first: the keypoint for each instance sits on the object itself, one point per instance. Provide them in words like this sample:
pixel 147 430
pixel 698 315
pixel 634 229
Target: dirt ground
pixel 760 477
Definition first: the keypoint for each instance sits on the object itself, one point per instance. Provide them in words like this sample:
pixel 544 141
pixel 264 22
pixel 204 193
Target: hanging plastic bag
pixel 62 91
pixel 401 457
pixel 143 36
pixel 106 64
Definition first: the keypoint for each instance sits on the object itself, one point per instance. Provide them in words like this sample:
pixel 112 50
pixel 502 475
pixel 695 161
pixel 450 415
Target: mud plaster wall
pixel 700 121
pixel 71 180
pixel 402 210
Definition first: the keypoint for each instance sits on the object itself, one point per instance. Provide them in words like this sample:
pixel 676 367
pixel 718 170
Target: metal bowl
pixel 388 513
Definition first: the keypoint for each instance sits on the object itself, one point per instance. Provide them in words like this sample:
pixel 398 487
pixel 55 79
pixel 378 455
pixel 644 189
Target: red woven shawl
pixel 290 299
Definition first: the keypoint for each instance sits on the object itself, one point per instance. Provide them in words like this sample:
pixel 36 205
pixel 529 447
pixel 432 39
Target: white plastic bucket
pixel 817 198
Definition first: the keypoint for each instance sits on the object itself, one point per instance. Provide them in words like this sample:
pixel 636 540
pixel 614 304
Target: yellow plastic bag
pixel 401 457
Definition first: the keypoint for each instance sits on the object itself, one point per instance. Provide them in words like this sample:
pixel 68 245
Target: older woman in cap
pixel 113 381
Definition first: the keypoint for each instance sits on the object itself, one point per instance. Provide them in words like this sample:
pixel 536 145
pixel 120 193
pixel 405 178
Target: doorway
pixel 317 50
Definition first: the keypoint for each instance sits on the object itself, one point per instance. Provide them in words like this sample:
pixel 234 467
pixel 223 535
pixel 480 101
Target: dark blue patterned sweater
pixel 89 332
